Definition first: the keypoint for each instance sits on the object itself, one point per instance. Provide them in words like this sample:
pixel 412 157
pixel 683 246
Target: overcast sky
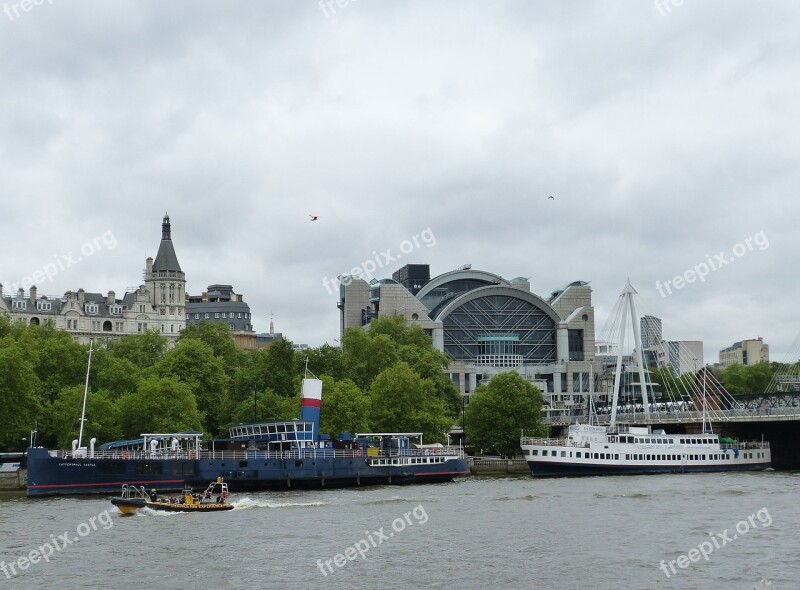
pixel 666 132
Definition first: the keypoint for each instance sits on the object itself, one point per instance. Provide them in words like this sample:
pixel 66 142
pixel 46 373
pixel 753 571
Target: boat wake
pixel 528 498
pixel 248 503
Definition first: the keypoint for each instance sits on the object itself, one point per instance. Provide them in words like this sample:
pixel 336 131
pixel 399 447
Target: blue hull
pixel 50 476
pixel 542 469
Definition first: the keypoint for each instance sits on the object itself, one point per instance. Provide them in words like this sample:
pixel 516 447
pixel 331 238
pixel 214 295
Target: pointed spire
pixel 271 325
pixel 165 229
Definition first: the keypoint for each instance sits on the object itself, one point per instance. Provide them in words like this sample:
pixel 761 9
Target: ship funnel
pixel 91 446
pixel 310 401
pixel 74 444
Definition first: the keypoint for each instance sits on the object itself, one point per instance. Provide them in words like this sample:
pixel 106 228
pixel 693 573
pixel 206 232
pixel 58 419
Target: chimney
pixel 149 265
pixel 1 289
pixel 20 294
pixel 33 294
pixel 81 296
pixel 112 298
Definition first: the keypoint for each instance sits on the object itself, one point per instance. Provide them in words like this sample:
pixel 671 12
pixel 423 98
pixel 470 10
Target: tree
pixel 143 350
pixel 268 406
pixel 218 336
pixel 159 404
pixel 367 354
pixel 192 361
pixel 499 412
pixel 741 380
pixel 345 408
pixel 19 398
pixel 102 416
pixel 404 402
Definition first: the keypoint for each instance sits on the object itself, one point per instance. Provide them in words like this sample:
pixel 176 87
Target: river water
pixel 480 532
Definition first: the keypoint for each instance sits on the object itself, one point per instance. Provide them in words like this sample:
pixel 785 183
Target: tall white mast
pixel 617 371
pixel 637 338
pixel 85 393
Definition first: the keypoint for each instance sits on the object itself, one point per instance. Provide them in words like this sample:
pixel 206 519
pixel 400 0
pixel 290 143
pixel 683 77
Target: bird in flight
pixel 314 217
pixel 552 197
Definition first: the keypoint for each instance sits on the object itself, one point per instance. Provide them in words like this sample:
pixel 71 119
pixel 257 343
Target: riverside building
pixel 158 304
pixel 488 325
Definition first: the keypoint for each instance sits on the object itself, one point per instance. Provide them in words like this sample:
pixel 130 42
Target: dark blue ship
pixel 260 456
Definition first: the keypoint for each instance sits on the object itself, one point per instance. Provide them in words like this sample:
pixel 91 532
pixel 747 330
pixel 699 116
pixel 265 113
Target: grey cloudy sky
pixel 666 131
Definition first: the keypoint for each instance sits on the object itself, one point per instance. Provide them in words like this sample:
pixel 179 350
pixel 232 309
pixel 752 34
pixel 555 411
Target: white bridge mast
pixel 629 308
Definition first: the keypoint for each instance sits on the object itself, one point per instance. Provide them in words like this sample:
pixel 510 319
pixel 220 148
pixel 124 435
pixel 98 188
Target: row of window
pixel 217 315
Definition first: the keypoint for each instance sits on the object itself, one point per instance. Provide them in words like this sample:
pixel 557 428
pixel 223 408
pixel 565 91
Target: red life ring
pixel 191 455
pixel 358 452
pixel 435 451
pixel 124 454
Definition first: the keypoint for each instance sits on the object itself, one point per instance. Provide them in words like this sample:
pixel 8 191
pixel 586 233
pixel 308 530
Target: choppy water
pixel 599 533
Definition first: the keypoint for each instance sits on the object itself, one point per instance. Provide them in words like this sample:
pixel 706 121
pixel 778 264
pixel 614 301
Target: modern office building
pixel 487 325
pixel 158 304
pixel 683 356
pixel 745 352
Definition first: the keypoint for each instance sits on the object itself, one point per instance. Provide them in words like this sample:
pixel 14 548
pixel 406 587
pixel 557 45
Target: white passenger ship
pixel 623 449
pixel 594 450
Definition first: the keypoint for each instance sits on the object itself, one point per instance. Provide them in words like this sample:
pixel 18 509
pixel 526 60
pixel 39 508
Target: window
pixel 578 454
pixel 20 304
pixel 205 316
pixel 216 316
pixel 119 326
pixel 563 453
pixel 225 315
pixel 544 453
pixel 163 293
pixel 115 309
pixel 240 315
pixel 44 305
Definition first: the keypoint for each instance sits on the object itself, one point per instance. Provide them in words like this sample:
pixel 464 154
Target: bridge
pixel 767 407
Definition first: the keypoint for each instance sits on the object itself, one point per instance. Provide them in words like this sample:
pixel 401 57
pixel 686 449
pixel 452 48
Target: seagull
pixel 552 197
pixel 314 217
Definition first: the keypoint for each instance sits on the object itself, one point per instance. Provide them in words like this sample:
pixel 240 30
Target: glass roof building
pixel 487 324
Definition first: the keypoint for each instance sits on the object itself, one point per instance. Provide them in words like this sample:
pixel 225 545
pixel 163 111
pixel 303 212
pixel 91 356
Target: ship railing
pixel 244 455
pixel 548 442
pixel 745 445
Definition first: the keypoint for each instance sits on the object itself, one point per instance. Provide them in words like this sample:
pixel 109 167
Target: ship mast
pixel 85 393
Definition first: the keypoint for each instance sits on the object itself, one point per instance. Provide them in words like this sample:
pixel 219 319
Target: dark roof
pixel 166 260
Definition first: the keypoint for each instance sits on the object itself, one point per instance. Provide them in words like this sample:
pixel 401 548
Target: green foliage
pixel 159 404
pixel 345 408
pixel 268 406
pixel 143 350
pixel 387 378
pixel 102 416
pixel 19 396
pixel 216 335
pixel 403 401
pixel 192 362
pixel 741 380
pixel 499 412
